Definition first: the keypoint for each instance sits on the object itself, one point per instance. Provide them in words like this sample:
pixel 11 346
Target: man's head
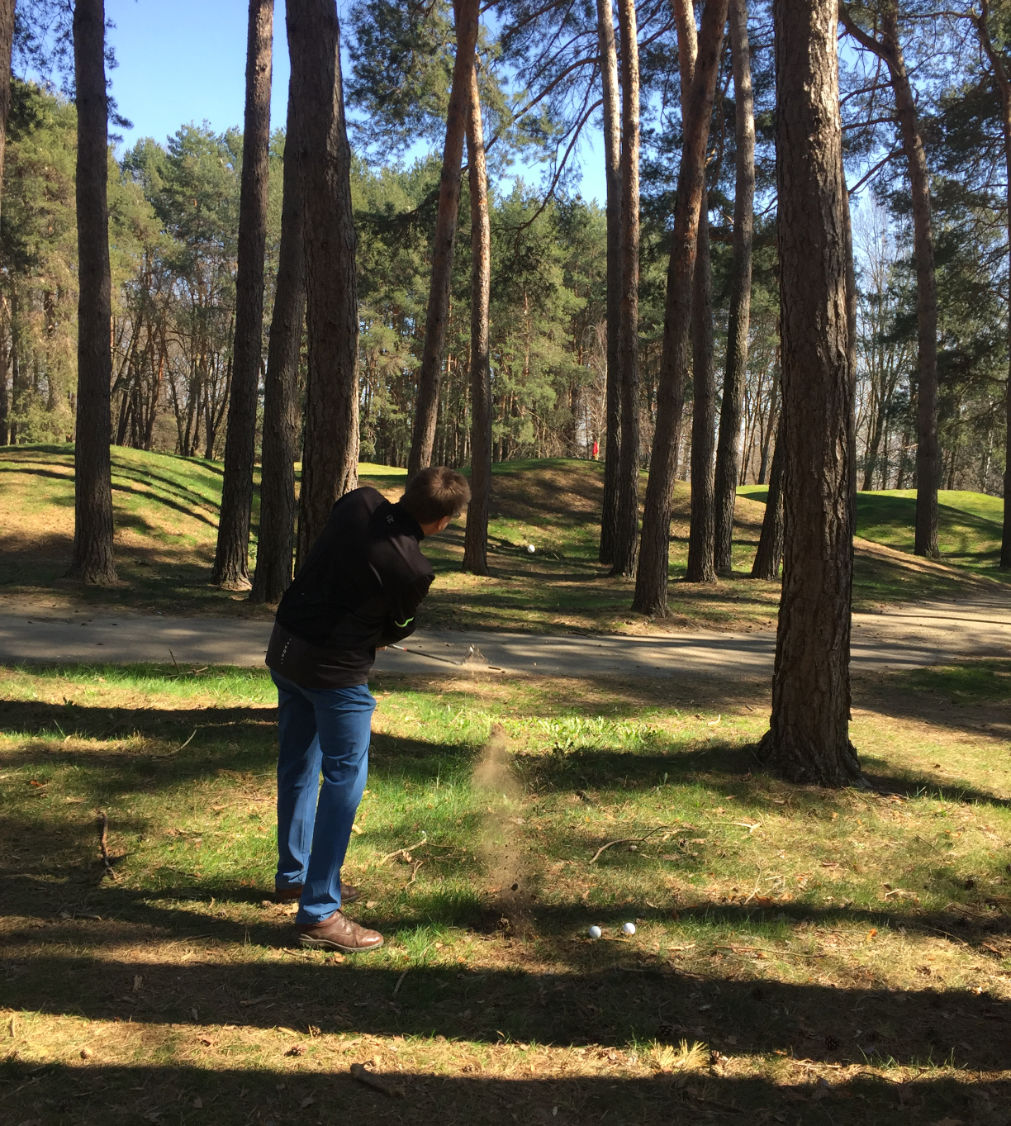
pixel 434 496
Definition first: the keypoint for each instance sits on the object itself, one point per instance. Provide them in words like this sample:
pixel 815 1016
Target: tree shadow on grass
pixel 611 1000
pixel 248 735
pixel 287 1092
pixel 728 768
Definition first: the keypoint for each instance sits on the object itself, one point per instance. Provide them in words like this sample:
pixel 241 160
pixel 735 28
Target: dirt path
pixel 911 636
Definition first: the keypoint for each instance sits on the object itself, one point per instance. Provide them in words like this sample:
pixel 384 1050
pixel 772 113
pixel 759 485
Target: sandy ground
pixel 910 636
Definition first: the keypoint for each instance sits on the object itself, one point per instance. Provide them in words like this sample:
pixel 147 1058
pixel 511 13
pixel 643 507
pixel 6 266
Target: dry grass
pixel 800 955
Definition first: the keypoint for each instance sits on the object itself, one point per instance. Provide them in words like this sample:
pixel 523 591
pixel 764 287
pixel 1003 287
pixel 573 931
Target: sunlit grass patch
pixel 788 940
pixel 165 513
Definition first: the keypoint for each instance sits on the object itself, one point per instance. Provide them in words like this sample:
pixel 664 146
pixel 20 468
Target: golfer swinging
pixel 357 591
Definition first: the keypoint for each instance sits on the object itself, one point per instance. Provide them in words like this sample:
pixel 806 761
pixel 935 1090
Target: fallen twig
pixel 103 829
pixel 414 874
pixel 625 840
pixel 406 851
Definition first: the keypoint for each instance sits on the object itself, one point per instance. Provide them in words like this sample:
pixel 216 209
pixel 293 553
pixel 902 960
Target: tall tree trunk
pixel 475 544
pixel 702 526
pixel 627 511
pixel 612 185
pixel 702 530
pixel 728 447
pixel 232 555
pixel 92 560
pixel 276 541
pixel 1003 82
pixel 808 739
pixel 6 42
pixel 769 554
pixel 651 577
pixel 928 458
pixel 330 450
pixel 466 14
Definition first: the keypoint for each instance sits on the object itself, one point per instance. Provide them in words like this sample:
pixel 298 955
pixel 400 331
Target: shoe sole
pixel 330 944
pixel 293 895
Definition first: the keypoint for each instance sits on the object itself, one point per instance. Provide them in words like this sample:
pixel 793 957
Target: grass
pixel 800 955
pixel 165 511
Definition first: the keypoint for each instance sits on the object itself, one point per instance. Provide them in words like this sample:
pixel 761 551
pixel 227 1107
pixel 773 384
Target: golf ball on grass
pixel 530 549
pixel 628 928
pixel 594 931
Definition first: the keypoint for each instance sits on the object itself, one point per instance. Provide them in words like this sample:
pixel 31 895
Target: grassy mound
pixel 166 508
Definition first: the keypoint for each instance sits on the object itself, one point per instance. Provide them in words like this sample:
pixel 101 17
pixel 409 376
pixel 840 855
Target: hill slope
pixel 166 507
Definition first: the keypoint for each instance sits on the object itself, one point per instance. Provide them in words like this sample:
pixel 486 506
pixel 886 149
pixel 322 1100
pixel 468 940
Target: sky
pixel 183 62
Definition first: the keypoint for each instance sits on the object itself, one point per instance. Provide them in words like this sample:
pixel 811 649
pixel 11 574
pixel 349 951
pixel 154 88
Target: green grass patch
pixel 845 955
pixel 166 511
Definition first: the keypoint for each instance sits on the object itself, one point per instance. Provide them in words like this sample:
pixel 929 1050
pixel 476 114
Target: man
pixel 357 591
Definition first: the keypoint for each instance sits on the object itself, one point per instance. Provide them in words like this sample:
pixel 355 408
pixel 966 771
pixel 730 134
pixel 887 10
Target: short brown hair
pixel 434 493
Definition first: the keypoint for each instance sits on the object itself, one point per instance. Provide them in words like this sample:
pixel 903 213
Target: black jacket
pixel 359 588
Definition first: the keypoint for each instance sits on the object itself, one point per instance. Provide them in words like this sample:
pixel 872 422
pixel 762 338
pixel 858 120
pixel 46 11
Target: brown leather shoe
pixel 293 893
pixel 338 932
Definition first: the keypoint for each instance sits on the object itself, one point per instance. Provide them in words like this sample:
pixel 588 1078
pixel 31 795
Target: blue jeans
pixel 324 731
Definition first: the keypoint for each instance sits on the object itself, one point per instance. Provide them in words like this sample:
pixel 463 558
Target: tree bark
pixel 728 447
pixel 429 374
pixel 702 526
pixel 651 577
pixel 808 738
pixel 1003 82
pixel 6 42
pixel 928 458
pixel 330 450
pixel 627 511
pixel 612 185
pixel 769 554
pixel 276 541
pixel 232 554
pixel 475 544
pixel 92 560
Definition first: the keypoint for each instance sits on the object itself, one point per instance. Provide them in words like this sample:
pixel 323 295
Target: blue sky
pixel 184 61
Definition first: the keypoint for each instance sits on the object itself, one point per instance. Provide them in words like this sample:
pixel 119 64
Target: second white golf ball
pixel 594 932
pixel 628 928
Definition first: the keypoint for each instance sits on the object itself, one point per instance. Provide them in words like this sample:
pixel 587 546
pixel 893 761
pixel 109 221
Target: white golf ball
pixel 530 549
pixel 628 928
pixel 594 932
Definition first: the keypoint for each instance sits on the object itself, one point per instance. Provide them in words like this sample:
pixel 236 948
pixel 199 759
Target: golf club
pixel 471 654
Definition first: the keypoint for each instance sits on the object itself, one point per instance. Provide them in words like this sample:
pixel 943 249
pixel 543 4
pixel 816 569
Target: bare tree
pixel 276 541
pixel 627 495
pixel 728 446
pixel 612 183
pixel 702 528
pixel 769 554
pixel 92 560
pixel 475 546
pixel 651 576
pixel 808 736
pixel 330 450
pixel 232 554
pixel 6 42
pixel 430 371
pixel 1002 79
pixel 887 46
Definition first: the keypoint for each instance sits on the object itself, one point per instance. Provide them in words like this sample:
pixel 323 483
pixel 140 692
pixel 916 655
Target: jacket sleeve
pixel 403 606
